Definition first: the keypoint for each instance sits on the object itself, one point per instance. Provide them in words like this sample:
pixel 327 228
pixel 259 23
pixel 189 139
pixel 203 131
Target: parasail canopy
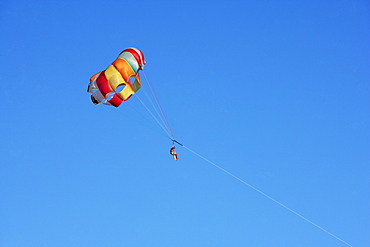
pixel 119 81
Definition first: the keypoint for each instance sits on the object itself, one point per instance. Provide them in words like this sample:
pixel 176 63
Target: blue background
pixel 274 92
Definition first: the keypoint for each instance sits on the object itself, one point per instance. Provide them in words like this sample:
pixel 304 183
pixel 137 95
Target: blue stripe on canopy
pixel 131 60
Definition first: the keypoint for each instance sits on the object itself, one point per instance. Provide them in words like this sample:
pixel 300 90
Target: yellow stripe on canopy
pixel 115 80
pixel 114 77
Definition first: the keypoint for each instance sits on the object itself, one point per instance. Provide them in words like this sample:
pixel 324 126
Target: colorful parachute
pixel 119 81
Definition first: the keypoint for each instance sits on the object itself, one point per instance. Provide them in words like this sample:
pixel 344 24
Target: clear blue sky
pixel 274 92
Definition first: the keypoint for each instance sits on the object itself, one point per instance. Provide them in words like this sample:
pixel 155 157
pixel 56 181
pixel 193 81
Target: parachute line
pixel 146 121
pixel 155 109
pixel 151 113
pixel 159 105
pixel 267 196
